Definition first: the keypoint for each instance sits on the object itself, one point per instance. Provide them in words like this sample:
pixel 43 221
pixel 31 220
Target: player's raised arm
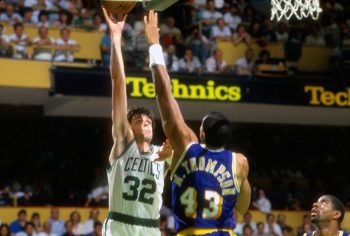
pixel 121 130
pixel 243 200
pixel 174 126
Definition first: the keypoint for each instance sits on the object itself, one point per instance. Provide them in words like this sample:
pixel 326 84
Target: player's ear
pixel 336 215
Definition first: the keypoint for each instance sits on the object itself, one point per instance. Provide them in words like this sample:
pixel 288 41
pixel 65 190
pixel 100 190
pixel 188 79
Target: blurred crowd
pixel 189 33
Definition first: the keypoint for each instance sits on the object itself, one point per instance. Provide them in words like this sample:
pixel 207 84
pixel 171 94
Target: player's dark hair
pixel 338 206
pixel 217 129
pixel 138 111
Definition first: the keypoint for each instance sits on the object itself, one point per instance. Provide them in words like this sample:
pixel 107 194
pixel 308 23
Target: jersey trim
pixel 234 170
pixel 109 167
pixel 180 160
pixel 197 231
pixel 133 220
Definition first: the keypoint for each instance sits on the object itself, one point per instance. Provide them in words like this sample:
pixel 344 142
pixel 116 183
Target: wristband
pixel 156 56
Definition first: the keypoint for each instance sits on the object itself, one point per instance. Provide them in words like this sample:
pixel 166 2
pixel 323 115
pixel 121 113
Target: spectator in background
pixel 268 31
pixel 247 220
pixel 41 40
pixel 69 228
pixel 249 15
pixel 98 23
pixel 35 219
pixel 281 32
pixel 78 227
pixel 97 229
pixel 216 63
pixel 245 65
pixel 43 19
pixel 287 231
pixel 209 17
pixel 164 231
pixel 271 227
pixel 199 44
pixel 4 230
pixel 65 46
pixel 169 33
pixel 5 51
pixel 105 46
pixel 281 221
pixel 20 40
pixel 57 225
pixel 89 224
pixel 220 31
pixel 247 230
pixel 232 17
pixel 260 227
pixel 170 58
pixel 10 16
pixel 306 226
pixel 190 63
pixel 258 34
pixel 84 20
pixel 333 5
pixel 28 17
pixel 64 19
pixel 28 230
pixel 315 37
pixel 241 36
pixel 19 224
pixel 262 204
pixel 46 229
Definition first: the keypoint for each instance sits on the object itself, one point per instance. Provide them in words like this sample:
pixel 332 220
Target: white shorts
pixel 116 228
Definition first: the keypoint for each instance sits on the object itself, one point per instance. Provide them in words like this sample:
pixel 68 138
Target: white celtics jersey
pixel 136 183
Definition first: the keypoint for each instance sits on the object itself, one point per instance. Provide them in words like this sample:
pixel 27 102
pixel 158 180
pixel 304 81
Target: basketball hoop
pixel 299 8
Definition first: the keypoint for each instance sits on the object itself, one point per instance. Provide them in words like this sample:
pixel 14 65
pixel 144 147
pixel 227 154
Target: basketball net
pixel 299 8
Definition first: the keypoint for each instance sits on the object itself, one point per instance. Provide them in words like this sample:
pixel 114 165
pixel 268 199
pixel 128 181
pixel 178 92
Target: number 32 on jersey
pixel 189 200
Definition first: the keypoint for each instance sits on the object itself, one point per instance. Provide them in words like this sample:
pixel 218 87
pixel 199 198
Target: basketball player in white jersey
pixel 135 180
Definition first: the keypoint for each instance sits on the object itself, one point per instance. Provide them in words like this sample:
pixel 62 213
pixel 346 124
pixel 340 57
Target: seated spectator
pixel 42 40
pixel 241 36
pixel 249 15
pixel 35 219
pixel 105 46
pixel 190 63
pixel 287 231
pixel 89 225
pixel 98 23
pixel 232 17
pixel 65 47
pixel 268 31
pixel 97 229
pixel 64 19
pixel 281 221
pixel 245 65
pixel 84 20
pixel 264 57
pixel 271 227
pixel 333 5
pixel 4 230
pixel 163 226
pixel 257 34
pixel 170 34
pixel 57 225
pixel 98 196
pixel 281 32
pixel 262 204
pixel 306 226
pixel 46 231
pixel 209 17
pixel 168 220
pixel 43 19
pixel 216 63
pixel 220 31
pixel 10 16
pixel 28 18
pixel 40 4
pixel 170 58
pixel 78 227
pixel 28 230
pixel 69 228
pixel 260 230
pixel 315 37
pixel 247 220
pixel 199 44
pixel 20 40
pixel 247 230
pixel 5 51
pixel 19 224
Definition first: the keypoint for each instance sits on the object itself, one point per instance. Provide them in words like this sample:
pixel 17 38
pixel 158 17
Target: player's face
pixel 142 127
pixel 322 210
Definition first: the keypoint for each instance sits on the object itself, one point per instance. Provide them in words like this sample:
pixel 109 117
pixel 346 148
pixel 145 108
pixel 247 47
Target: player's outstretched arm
pixel 244 195
pixel 121 130
pixel 174 126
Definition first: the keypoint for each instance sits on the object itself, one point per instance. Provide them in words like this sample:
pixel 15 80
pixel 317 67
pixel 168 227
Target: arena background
pixel 293 125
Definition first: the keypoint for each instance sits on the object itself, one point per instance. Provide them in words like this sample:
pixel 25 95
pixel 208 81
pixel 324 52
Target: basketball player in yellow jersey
pixel 135 179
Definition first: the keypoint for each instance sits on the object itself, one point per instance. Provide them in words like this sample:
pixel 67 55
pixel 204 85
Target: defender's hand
pixel 151 27
pixel 165 151
pixel 115 22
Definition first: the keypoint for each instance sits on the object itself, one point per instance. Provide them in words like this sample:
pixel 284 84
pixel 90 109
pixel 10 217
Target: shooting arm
pixel 243 200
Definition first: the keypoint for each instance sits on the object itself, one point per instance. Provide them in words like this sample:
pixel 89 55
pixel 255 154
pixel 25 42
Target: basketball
pixel 118 7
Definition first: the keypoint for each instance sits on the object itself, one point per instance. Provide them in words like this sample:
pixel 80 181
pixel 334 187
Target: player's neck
pixel 143 146
pixel 327 229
